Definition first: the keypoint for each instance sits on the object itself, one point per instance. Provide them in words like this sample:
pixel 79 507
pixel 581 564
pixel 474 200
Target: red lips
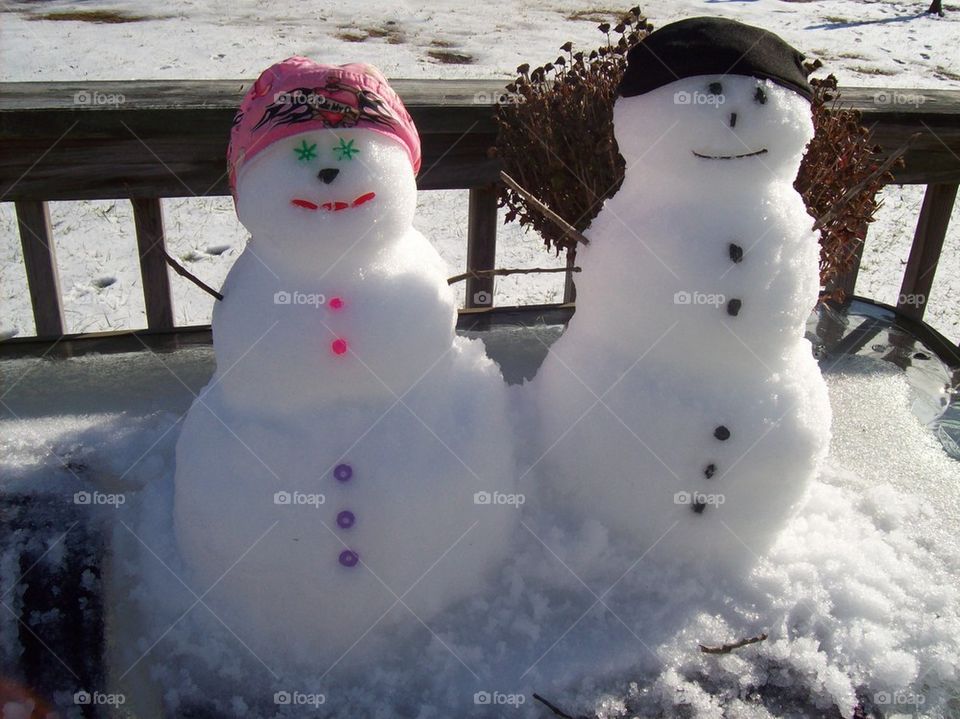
pixel 333 206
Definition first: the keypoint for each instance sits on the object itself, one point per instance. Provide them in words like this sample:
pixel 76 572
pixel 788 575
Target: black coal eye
pixel 760 96
pixel 715 88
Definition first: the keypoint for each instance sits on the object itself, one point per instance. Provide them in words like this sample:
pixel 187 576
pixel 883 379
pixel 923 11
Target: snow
pixel 858 596
pixel 685 428
pixel 342 444
pixel 882 43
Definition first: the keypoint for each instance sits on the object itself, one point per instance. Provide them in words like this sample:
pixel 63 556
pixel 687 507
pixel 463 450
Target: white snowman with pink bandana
pixel 349 468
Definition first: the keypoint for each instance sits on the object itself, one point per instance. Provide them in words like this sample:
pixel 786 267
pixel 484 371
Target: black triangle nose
pixel 328 174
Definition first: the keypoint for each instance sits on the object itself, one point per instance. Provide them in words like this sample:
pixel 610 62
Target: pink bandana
pixel 299 95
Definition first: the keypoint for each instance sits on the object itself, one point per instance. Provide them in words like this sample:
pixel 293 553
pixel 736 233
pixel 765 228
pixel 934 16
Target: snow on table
pixel 859 597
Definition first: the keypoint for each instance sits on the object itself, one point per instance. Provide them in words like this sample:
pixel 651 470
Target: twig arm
pixel 183 272
pixel 727 648
pixel 858 188
pixel 508 271
pixel 557 711
pixel 567 228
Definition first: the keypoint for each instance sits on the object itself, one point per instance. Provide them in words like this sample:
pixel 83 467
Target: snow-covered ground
pixel 869 43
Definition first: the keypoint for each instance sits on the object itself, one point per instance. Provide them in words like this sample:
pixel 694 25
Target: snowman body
pixel 334 477
pixel 682 408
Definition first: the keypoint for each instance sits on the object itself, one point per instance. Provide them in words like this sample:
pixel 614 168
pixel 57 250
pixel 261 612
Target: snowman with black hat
pixel 682 410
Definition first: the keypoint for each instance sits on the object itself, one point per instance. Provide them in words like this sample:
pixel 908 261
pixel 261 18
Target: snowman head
pixel 709 100
pixel 322 162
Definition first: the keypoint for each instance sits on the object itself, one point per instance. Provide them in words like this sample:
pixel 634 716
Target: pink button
pixel 336 303
pixel 339 346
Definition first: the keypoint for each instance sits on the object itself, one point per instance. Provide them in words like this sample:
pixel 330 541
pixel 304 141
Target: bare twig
pixel 477 274
pixel 858 188
pixel 568 229
pixel 727 648
pixel 554 708
pixel 180 270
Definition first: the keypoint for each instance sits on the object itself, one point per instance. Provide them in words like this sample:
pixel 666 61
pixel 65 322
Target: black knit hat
pixel 711 46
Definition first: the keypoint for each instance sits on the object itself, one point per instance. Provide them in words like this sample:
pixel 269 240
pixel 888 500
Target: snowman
pixel 682 409
pixel 340 478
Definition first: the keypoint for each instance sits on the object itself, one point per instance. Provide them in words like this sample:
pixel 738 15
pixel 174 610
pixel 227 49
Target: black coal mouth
pixel 729 157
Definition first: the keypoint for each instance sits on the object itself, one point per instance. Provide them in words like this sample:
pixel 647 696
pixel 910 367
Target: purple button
pixel 343 472
pixel 349 558
pixel 346 519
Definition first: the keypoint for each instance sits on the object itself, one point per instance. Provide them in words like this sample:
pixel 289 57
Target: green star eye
pixel 306 152
pixel 346 150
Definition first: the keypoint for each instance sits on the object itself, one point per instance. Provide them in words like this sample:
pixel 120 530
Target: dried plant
pixel 556 139
pixel 839 179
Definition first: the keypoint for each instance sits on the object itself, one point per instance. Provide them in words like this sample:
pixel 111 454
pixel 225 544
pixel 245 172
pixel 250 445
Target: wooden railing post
pixel 40 262
pixel 847 282
pixel 148 218
pixel 569 288
pixel 925 253
pixel 481 244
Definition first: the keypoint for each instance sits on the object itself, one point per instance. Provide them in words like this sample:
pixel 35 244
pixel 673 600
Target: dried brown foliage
pixel 839 159
pixel 556 136
pixel 556 139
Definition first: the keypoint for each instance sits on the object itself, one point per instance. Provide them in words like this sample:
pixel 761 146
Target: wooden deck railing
pixel 147 140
